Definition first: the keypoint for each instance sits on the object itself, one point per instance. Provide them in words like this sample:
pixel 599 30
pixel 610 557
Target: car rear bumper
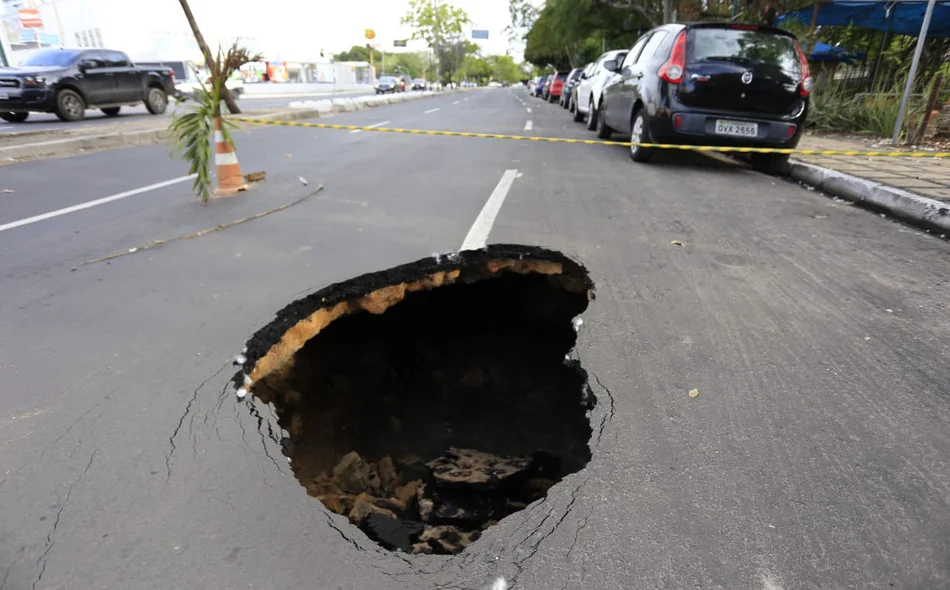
pixel 23 101
pixel 698 128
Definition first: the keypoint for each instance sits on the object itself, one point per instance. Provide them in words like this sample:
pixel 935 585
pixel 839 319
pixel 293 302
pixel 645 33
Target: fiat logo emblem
pixel 747 78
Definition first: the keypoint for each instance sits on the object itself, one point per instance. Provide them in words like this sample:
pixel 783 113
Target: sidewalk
pixel 292 89
pixel 928 177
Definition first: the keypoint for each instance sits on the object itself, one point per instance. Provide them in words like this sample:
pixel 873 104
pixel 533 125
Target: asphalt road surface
pixel 47 122
pixel 815 456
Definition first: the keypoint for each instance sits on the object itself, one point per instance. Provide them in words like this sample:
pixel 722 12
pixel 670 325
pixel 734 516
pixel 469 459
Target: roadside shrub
pixel 836 108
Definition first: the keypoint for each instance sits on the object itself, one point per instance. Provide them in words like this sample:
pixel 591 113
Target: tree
pixel 570 33
pixel 358 53
pixel 523 14
pixel 442 27
pixel 216 76
pixel 191 129
pixel 504 68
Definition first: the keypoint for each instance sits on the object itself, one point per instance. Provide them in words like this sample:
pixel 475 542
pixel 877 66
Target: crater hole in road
pixel 428 402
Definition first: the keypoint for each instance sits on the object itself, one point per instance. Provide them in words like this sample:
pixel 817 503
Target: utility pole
pixel 667 11
pixel 921 39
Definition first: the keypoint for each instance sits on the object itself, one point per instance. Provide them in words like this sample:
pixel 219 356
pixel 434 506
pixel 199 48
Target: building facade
pixel 159 33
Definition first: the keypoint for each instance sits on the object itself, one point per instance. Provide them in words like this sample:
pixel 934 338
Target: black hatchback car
pixel 710 84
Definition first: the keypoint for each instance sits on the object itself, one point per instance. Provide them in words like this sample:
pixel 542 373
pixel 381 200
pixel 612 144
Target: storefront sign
pixel 30 18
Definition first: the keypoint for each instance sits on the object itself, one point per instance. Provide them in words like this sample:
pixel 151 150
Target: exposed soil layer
pixel 439 400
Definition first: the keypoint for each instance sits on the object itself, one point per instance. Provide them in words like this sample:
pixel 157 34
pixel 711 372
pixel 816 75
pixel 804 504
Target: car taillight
pixel 172 73
pixel 807 82
pixel 672 71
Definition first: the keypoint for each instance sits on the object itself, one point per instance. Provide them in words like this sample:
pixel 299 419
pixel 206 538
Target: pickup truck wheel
pixel 155 101
pixel 14 117
pixel 70 106
pixel 111 111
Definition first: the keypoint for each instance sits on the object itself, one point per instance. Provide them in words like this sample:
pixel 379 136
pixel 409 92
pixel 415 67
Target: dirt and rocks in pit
pixel 428 421
pixel 439 507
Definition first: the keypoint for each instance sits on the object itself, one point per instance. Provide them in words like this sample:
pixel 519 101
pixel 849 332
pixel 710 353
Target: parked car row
pixel 716 84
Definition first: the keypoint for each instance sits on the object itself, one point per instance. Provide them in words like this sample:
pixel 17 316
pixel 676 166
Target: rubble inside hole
pixel 426 414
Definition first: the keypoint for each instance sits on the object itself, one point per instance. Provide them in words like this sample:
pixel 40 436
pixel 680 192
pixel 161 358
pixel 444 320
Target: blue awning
pixel 899 17
pixel 825 52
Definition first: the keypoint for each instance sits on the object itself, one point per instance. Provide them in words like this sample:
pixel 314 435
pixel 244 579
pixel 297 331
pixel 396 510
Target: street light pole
pixel 921 39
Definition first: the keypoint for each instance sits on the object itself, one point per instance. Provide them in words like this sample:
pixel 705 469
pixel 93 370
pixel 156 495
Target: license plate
pixel 736 128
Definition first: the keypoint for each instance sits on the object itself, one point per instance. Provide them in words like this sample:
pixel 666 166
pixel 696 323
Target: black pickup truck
pixel 69 81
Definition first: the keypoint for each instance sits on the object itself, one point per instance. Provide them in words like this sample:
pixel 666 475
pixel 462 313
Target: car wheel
pixel 111 111
pixel 70 106
pixel 591 117
pixel 603 131
pixel 774 164
pixel 155 101
pixel 551 98
pixel 14 117
pixel 578 115
pixel 639 133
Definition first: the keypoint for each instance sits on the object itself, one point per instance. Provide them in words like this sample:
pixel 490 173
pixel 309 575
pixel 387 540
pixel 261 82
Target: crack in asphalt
pixel 181 421
pixel 61 436
pixel 41 562
pixel 579 529
pixel 610 412
pixel 5 576
pixel 519 564
pixel 260 422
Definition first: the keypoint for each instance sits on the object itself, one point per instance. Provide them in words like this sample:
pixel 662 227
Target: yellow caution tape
pixel 662 146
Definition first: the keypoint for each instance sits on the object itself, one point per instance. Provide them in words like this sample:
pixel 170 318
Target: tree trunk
pixel 228 99
pixel 209 57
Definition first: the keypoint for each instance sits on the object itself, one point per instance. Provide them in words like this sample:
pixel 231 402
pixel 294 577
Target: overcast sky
pixel 299 26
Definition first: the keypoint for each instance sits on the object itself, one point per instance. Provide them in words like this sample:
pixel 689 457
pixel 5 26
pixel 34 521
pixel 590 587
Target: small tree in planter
pixel 191 131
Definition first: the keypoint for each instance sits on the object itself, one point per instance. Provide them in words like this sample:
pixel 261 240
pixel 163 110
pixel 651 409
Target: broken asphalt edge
pixel 900 203
pixel 76 145
pixel 260 343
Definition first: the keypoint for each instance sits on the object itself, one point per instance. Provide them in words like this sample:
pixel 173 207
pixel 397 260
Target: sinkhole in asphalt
pixel 428 402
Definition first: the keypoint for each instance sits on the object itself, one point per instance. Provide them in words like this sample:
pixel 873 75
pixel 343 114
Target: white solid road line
pixel 380 124
pixel 528 126
pixel 478 235
pixel 431 110
pixel 97 202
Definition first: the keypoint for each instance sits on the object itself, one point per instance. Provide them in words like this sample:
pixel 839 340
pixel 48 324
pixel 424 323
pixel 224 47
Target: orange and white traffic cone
pixel 228 171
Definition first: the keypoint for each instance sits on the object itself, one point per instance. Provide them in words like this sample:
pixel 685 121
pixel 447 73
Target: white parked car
pixel 186 89
pixel 590 89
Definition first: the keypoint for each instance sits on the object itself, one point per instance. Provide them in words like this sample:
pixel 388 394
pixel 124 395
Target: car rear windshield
pixel 56 57
pixel 744 47
pixel 387 79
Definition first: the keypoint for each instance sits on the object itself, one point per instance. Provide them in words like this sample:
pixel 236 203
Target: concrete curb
pixel 72 145
pixel 898 202
pixel 299 110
